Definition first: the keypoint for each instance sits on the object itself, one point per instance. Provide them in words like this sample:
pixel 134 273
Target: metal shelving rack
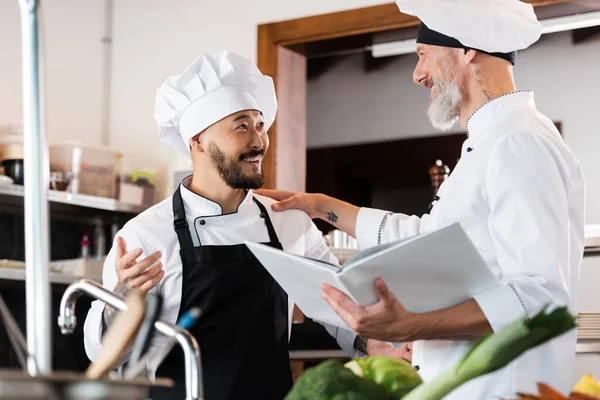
pixel 35 195
pixel 11 193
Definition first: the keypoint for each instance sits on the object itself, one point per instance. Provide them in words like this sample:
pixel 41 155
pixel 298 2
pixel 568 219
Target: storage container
pixel 85 169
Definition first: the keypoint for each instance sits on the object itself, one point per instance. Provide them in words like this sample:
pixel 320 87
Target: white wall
pixel 346 105
pixel 73 57
pixel 157 38
pixel 152 39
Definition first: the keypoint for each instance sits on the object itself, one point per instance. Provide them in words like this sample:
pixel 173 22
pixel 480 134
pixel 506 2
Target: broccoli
pixel 330 380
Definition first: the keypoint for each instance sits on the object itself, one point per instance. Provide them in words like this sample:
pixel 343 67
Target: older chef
pixel 189 248
pixel 517 190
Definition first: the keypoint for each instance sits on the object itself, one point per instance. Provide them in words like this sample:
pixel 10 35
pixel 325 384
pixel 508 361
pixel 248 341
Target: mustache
pixel 252 153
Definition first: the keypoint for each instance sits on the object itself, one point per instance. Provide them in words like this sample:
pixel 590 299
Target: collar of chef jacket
pixel 200 206
pixel 491 111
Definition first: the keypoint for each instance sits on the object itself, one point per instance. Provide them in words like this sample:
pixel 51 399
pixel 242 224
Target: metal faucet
pixel 67 322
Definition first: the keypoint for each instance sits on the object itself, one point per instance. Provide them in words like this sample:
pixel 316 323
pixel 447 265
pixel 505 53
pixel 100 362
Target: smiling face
pixel 234 149
pixel 439 71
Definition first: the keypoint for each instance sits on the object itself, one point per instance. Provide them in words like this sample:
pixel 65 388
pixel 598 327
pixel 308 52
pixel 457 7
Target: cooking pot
pixel 14 170
pixel 16 385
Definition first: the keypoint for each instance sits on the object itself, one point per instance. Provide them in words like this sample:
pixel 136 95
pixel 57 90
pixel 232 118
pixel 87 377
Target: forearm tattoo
pixel 332 217
pixel 109 314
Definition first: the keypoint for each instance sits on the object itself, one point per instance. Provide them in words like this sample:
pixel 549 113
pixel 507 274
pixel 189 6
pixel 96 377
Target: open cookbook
pixel 430 271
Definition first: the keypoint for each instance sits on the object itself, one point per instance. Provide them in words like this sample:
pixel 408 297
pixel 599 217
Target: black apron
pixel 243 331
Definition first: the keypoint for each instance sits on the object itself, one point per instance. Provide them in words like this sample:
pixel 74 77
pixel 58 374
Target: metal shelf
pixel 14 274
pixel 75 200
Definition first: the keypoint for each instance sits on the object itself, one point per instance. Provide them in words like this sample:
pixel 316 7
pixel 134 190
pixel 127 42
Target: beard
pixel 230 169
pixel 444 109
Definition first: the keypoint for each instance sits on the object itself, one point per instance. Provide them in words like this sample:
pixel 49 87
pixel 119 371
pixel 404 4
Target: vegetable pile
pixel 394 379
pixel 332 381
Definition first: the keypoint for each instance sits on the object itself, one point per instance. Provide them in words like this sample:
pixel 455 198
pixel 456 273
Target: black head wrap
pixel 429 36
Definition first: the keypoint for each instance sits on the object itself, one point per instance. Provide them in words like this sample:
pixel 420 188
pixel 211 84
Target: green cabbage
pixel 395 375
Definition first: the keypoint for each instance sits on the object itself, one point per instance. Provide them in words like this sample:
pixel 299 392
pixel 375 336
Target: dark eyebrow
pixel 245 116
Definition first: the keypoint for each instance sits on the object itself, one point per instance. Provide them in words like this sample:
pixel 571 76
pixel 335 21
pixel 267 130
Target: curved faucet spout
pixel 67 322
pixel 67 319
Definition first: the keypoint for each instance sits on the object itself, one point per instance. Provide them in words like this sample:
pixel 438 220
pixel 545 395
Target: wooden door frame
pixel 285 163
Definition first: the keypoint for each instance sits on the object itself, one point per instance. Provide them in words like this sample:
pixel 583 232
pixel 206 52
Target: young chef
pixel 189 248
pixel 517 190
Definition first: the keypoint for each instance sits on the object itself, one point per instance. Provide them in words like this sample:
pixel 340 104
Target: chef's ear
pixel 468 56
pixel 196 143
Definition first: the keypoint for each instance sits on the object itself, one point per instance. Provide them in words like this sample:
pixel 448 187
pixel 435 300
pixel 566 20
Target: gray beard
pixel 444 110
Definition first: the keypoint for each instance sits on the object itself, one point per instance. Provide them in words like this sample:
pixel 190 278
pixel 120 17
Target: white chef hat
pixel 497 27
pixel 216 85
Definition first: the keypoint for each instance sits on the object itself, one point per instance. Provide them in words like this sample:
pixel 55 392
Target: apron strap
pixel 264 214
pixel 180 222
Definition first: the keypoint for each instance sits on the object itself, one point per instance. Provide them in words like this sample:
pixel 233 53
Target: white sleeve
pixel 92 329
pixel 316 248
pixel 375 227
pixel 527 189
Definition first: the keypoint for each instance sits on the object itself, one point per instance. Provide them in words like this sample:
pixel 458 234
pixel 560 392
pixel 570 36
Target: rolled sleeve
pixel 527 189
pixel 368 225
pixel 375 227
pixel 501 306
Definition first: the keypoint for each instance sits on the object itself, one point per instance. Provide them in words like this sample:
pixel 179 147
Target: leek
pixel 494 351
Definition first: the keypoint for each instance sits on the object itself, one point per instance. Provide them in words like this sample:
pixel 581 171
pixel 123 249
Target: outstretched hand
pixel 288 199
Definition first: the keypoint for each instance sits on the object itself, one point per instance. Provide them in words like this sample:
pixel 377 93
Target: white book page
pixel 359 257
pixel 301 279
pixel 435 271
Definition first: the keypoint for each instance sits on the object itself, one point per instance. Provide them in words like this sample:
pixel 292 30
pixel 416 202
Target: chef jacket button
pixel 436 198
pixel 417 367
pixel 430 206
pixel 202 222
pixel 469 149
pixel 262 215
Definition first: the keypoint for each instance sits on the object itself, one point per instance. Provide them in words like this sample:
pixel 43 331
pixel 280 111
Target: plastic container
pixel 142 180
pixel 85 169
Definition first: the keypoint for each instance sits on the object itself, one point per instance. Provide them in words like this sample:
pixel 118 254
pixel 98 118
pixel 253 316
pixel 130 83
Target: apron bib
pixel 243 330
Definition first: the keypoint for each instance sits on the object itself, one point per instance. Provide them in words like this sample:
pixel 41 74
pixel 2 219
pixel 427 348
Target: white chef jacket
pixel 153 231
pixel 518 192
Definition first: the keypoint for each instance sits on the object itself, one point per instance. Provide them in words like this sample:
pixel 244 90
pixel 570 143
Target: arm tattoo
pixel 331 216
pixel 109 314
